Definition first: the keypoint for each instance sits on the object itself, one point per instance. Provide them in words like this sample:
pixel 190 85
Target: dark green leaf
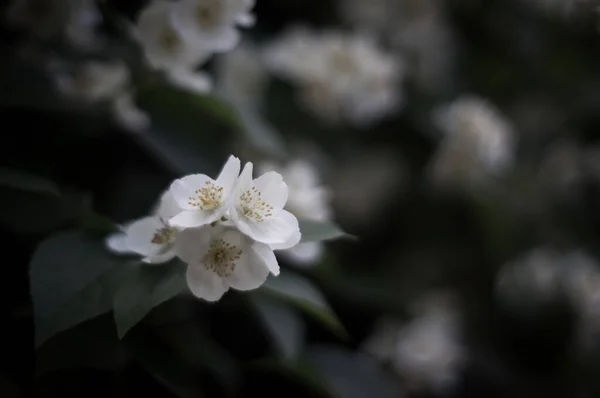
pixel 221 110
pixel 298 371
pixel 315 231
pixel 28 213
pixel 96 224
pixel 72 279
pixel 27 182
pixel 352 374
pixel 283 323
pixel 143 288
pixel 261 135
pixel 303 294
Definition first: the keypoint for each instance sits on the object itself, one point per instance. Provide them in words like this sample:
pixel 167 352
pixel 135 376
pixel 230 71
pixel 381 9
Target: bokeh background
pixel 470 173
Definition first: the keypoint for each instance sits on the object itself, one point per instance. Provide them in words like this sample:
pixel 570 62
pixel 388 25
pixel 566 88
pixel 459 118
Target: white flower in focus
pixel 94 81
pixel 220 257
pixel 197 82
pixel 163 44
pixel 150 237
pixel 213 23
pixel 203 200
pixel 478 142
pixel 128 114
pixel 257 209
pixel 242 77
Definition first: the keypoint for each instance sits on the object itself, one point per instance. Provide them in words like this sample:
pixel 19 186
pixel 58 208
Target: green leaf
pixel 297 371
pixel 315 231
pixel 96 224
pixel 262 135
pixel 300 292
pixel 143 288
pixel 352 374
pixel 72 279
pixel 25 181
pixel 162 363
pixel 220 109
pixel 283 323
pixel 30 213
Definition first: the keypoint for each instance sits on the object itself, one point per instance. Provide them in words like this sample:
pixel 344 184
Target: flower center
pixel 164 236
pixel 169 40
pixel 221 257
pixel 209 15
pixel 253 206
pixel 208 197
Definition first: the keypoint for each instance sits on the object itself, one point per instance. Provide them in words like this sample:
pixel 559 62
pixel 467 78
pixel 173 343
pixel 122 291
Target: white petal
pixel 160 258
pixel 246 20
pixel 196 82
pixel 267 255
pixel 274 191
pixel 226 40
pixel 289 243
pixel 140 234
pixel 205 284
pixel 184 188
pixel 192 244
pixel 273 230
pixel 244 181
pixel 229 175
pixel 167 207
pixel 195 218
pixel 117 243
pixel 250 272
pixel 305 253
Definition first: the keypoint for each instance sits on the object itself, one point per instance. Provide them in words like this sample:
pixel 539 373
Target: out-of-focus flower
pixel 94 81
pixel 415 28
pixel 163 43
pixel 257 209
pixel 537 277
pixel 203 200
pixel 307 200
pixel 242 77
pixel 427 351
pixel 197 82
pixel 75 19
pixel 342 78
pixel 478 143
pixel 213 23
pixel 128 114
pixel 150 237
pixel 219 257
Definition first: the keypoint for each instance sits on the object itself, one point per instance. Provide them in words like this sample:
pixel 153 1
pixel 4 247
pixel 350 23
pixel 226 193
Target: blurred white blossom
pixel 163 43
pixel 241 76
pixel 75 20
pixel 427 351
pixel 308 200
pixel 213 23
pixel 150 237
pixel 94 81
pixel 128 115
pixel 197 82
pixel 478 143
pixel 341 78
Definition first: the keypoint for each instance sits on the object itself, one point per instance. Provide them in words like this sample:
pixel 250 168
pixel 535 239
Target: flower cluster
pixel 342 77
pixel 178 36
pixel 224 229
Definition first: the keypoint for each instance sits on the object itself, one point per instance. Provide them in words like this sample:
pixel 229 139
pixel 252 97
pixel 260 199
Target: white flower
pixel 128 114
pixel 213 22
pixel 197 82
pixel 94 81
pixel 242 77
pixel 150 237
pixel 163 44
pixel 203 200
pixel 220 257
pixel 257 209
pixel 478 143
pixel 341 77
